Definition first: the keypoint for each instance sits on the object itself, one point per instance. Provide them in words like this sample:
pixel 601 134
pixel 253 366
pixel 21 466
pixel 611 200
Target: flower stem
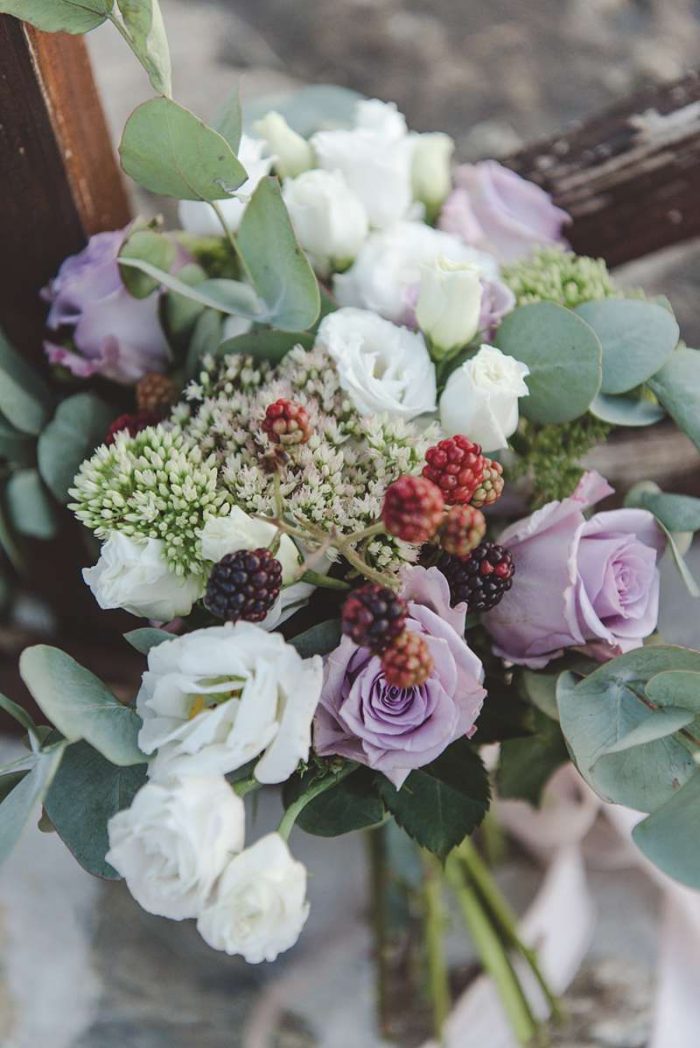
pixel 376 846
pixel 433 927
pixel 366 533
pixel 228 233
pixel 316 578
pixel 320 786
pixel 369 573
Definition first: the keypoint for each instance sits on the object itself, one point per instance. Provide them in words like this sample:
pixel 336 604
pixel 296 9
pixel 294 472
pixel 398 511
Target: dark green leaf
pixel 637 338
pixel 29 506
pixel 677 385
pixel 146 638
pixel 352 804
pixel 526 765
pixel 16 447
pixel 319 640
pixel 79 425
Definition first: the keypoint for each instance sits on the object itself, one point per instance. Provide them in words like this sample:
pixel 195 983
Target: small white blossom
pixel 430 168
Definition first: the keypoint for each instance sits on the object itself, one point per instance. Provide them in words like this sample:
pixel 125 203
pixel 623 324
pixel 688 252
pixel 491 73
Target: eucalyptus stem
pixel 492 953
pixel 228 233
pixel 316 578
pixel 433 929
pixel 376 848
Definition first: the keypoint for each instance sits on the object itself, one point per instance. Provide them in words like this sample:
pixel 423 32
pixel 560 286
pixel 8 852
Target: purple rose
pixel 496 210
pixel 392 729
pixel 591 584
pixel 496 300
pixel 114 334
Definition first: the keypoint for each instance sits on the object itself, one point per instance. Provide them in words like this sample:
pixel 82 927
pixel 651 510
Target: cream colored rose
pixel 329 220
pixel 449 305
pixel 430 168
pixel 292 154
pixel 481 398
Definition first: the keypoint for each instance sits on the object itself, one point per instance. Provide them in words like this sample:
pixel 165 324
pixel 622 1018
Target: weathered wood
pixel 630 176
pixel 59 176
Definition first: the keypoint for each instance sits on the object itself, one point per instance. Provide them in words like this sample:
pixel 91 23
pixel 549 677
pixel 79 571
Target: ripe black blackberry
pixel 373 616
pixel 481 579
pixel 244 585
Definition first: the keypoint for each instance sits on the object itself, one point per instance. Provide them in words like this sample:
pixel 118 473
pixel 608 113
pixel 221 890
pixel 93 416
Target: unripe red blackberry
pixel 412 509
pixel 287 422
pixel 373 616
pixel 481 579
pixel 456 465
pixel 462 530
pixel 132 424
pixel 155 393
pixel 491 486
pixel 408 662
pixel 244 585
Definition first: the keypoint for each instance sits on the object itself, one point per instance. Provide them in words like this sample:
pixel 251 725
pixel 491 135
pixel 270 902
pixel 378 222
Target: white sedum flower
pixel 174 841
pixel 481 398
pixel 431 177
pixel 449 304
pixel 385 369
pixel 375 159
pixel 216 698
pixel 387 271
pixel 237 530
pixel 132 574
pixel 292 154
pixel 198 216
pixel 259 905
pixel 329 219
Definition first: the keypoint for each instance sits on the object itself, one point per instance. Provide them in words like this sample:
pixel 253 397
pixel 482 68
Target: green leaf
pixel 25 399
pixel 145 31
pixel 146 638
pixel 676 688
pixel 19 449
pixel 441 804
pixel 677 513
pixel 170 151
pixel 637 338
pixel 21 802
pixel 79 704
pixel 84 795
pixel 352 804
pixel 504 715
pixel 9 781
pixel 626 411
pixel 229 120
pixel 59 16
pixel 679 560
pixel 265 345
pixel 604 708
pixel 228 296
pixel 178 313
pixel 319 640
pixel 79 425
pixel 206 338
pixel 278 268
pixel 29 505
pixel 563 354
pixel 19 714
pixel 669 836
pixel 526 765
pixel 657 724
pixel 312 108
pixel 677 385
pixel 150 246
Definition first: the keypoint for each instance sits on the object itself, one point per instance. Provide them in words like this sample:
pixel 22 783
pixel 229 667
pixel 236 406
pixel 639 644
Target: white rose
pixel 237 530
pixel 387 270
pixel 328 218
pixel 375 159
pixel 132 573
pixel 449 304
pixel 174 841
pixel 214 699
pixel 292 153
pixel 481 398
pixel 382 367
pixel 259 906
pixel 431 177
pixel 198 216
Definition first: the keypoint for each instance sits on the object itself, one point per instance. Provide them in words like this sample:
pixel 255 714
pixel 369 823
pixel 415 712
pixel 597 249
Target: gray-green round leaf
pixel 678 513
pixel 626 411
pixel 153 247
pixel 677 385
pixel 145 30
pixel 669 836
pixel 25 399
pixel 637 338
pixel 79 425
pixel 29 506
pixel 22 801
pixel 563 354
pixel 676 688
pixel 312 108
pixel 59 16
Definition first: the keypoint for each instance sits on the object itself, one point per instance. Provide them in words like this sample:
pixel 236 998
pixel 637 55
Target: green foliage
pixel 146 637
pixel 311 108
pixel 442 803
pixel 526 765
pixel 79 425
pixel 20 803
pixel 59 16
pixel 229 120
pixel 25 399
pixel 149 246
pixel 86 792
pixel 143 27
pixel 563 354
pixel 677 385
pixel 16 447
pixel 30 508
pixel 551 455
pixel 206 338
pixel 553 275
pixel 637 410
pixel 265 345
pixel 79 704
pixel 351 804
pixel 678 513
pixel 637 339
pixel 227 296
pixel 318 640
pixel 669 836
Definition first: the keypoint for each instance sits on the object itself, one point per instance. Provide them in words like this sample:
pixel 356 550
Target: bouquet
pixel 329 436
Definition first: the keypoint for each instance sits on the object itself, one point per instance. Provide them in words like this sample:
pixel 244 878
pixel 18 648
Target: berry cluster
pixel 156 393
pixel 374 617
pixel 479 579
pixel 413 509
pixel 244 585
pixel 456 465
pixel 462 530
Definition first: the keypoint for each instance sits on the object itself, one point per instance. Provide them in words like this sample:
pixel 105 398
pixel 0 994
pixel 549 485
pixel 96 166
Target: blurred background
pixel 80 965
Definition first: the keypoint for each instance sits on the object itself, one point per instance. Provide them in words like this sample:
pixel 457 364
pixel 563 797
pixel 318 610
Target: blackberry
pixel 462 530
pixel 456 465
pixel 287 422
pixel 373 616
pixel 244 585
pixel 481 579
pixel 412 509
pixel 408 662
pixel 132 424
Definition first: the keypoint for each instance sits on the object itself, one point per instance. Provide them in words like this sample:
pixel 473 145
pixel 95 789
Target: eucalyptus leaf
pixel 563 354
pixel 170 151
pixel 86 792
pixel 676 688
pixel 669 836
pixel 79 704
pixel 79 425
pixel 25 399
pixel 678 513
pixel 17 448
pixel 265 345
pixel 229 120
pixel 20 803
pixel 637 338
pixel 319 640
pixel 312 108
pixel 277 267
pixel 19 714
pixel 626 411
pixel 150 246
pixel 9 781
pixel 29 506
pixel 679 560
pixel 59 16
pixel 227 296
pixel 178 313
pixel 677 385
pixel 206 338
pixel 657 724
pixel 146 637
pixel 145 30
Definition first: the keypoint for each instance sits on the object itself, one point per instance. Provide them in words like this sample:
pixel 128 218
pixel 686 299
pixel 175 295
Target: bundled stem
pixel 434 927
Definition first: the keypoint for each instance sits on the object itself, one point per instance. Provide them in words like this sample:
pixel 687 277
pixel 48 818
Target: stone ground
pixel 81 966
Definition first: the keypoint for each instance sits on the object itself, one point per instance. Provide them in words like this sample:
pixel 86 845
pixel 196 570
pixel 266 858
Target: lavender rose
pixel 394 730
pixel 114 334
pixel 497 300
pixel 496 210
pixel 591 584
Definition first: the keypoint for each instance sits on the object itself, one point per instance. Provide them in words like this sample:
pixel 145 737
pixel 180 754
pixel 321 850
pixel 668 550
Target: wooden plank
pixel 630 176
